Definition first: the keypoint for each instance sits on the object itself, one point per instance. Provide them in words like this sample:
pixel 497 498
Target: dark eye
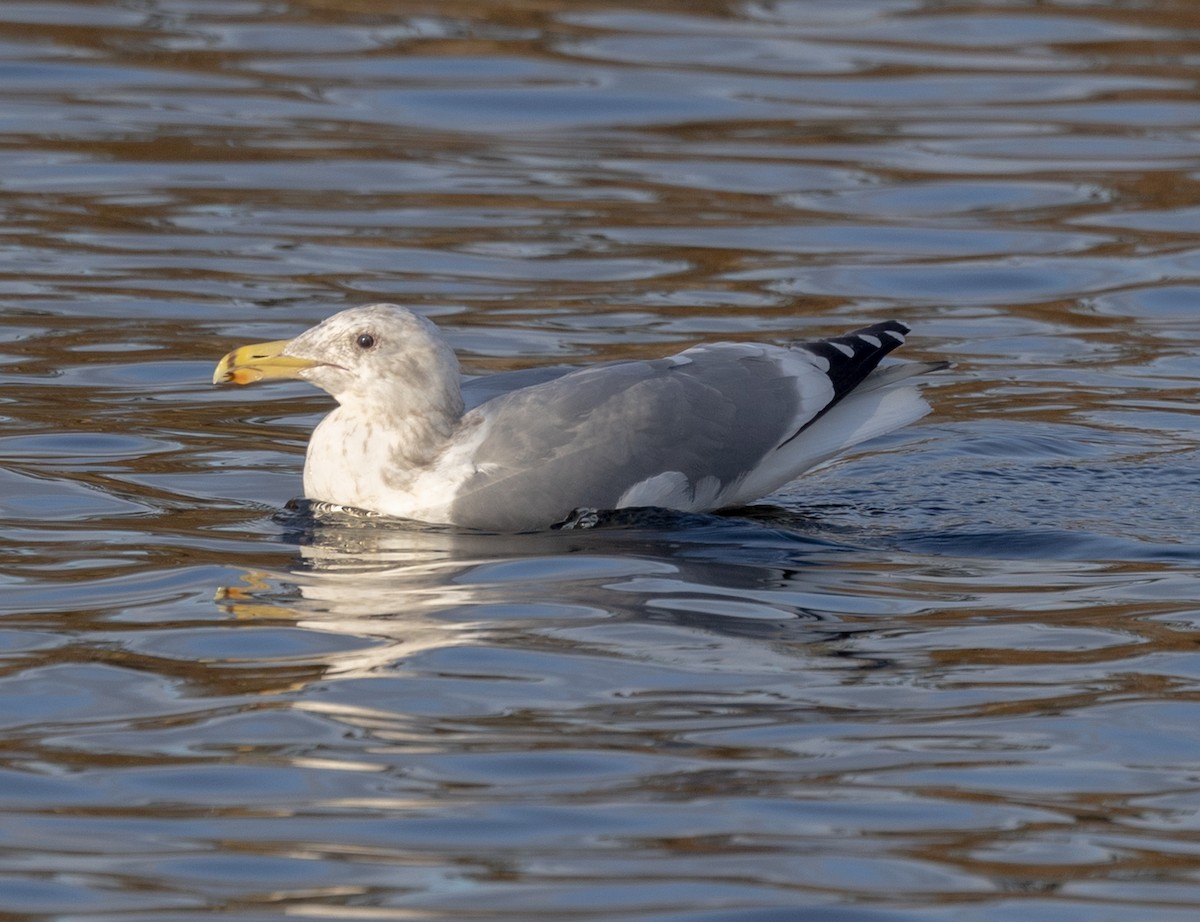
pixel 365 341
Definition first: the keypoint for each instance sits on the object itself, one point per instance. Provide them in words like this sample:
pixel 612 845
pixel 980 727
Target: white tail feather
pixel 869 412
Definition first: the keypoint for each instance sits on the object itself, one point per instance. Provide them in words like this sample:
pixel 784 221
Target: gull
pixel 715 426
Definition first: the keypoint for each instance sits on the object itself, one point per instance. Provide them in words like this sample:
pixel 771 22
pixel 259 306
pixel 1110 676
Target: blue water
pixel 951 677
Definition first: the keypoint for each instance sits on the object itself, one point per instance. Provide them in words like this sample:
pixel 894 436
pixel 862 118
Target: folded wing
pixel 714 426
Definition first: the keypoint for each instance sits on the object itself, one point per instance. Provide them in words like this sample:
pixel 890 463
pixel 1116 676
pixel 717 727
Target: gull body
pixel 714 426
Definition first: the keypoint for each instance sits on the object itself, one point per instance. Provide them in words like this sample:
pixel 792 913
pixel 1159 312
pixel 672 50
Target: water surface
pixel 952 677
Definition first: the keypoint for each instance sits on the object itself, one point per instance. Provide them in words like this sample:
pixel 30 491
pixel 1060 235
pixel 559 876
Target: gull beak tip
pixel 230 371
pixel 259 362
pixel 222 374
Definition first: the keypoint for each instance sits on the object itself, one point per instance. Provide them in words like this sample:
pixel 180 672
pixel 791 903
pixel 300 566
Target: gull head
pixel 382 356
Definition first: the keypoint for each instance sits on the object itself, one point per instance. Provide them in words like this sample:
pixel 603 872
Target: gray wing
pixel 680 432
pixel 487 387
pixel 590 437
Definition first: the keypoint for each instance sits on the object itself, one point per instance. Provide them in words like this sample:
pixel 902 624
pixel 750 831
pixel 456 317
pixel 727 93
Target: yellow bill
pixel 260 362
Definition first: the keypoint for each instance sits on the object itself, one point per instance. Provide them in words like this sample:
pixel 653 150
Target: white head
pixel 382 359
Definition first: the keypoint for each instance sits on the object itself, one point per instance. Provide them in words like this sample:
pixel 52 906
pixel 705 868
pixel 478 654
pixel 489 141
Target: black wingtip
pixel 849 359
pixel 892 329
pixel 855 355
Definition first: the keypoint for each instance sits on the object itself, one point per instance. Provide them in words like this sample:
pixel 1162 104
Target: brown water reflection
pixel 953 678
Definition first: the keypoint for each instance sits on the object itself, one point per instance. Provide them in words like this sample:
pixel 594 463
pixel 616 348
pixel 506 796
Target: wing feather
pixel 713 426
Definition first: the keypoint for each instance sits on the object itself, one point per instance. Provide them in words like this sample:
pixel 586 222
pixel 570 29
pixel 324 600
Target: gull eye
pixel 365 341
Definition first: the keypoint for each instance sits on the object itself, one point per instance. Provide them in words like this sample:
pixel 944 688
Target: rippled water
pixel 953 677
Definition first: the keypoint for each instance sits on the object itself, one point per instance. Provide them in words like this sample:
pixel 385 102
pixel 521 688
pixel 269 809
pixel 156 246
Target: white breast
pixel 352 462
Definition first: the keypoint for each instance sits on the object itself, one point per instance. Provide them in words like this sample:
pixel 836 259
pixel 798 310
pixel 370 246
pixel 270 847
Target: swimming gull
pixel 714 426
